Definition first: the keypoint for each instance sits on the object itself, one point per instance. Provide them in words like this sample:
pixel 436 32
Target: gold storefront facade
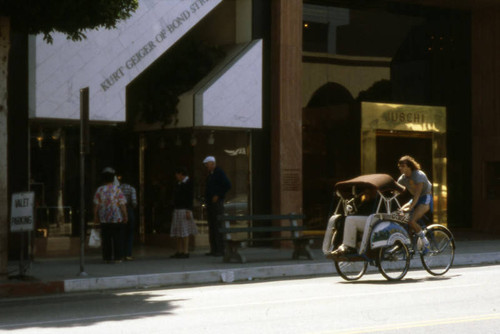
pixel 422 129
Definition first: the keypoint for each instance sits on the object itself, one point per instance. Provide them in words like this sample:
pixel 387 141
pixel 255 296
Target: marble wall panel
pixel 234 97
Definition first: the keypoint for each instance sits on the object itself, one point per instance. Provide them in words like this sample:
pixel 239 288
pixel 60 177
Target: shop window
pixel 315 36
pixel 492 180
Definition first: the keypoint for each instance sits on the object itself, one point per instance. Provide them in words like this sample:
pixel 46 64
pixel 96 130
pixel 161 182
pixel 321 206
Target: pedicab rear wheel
pixel 351 270
pixel 394 261
pixel 348 270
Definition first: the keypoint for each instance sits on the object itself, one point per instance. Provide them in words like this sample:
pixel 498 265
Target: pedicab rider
pixel 420 188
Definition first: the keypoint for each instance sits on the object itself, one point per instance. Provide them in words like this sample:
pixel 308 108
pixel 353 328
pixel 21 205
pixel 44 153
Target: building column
pixel 485 119
pixel 286 106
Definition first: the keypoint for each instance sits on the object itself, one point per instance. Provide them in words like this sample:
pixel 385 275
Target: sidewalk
pixel 152 267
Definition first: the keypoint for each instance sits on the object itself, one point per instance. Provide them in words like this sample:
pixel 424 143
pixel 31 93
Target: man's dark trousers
pixel 113 238
pixel 215 237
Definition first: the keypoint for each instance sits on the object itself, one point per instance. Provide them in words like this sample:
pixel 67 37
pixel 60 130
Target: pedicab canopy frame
pixel 349 190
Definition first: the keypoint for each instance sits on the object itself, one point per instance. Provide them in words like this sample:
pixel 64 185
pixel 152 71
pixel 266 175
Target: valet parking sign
pixel 22 212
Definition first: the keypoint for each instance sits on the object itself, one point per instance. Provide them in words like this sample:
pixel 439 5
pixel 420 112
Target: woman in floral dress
pixel 110 213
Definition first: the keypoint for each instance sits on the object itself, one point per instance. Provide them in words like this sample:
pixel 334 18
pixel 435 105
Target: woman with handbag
pixel 110 213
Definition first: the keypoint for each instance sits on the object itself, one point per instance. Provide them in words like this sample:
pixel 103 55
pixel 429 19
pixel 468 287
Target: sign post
pixel 22 219
pixel 84 147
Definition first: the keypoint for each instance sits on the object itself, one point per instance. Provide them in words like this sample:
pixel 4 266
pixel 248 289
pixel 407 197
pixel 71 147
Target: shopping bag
pixel 94 239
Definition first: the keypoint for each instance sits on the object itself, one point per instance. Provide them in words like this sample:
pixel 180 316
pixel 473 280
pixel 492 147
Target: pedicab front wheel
pixel 349 270
pixel 394 261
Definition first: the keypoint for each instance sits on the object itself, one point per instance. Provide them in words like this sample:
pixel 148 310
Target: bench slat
pixel 261 239
pixel 261 229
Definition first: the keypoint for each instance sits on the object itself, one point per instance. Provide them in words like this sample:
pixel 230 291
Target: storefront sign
pixel 404 117
pixel 22 216
pixel 398 117
pixel 290 180
pixel 172 25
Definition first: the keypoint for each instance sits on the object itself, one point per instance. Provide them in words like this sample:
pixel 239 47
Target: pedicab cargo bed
pixel 381 182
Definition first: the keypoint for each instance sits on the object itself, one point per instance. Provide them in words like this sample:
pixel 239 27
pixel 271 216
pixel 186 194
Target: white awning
pixel 232 96
pixel 107 61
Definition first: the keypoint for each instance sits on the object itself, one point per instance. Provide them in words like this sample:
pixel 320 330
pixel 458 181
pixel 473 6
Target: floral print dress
pixel 109 198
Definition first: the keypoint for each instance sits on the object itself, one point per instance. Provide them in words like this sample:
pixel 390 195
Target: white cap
pixel 209 159
pixel 108 170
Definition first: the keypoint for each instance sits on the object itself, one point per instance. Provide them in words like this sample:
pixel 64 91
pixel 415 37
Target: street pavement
pixel 153 267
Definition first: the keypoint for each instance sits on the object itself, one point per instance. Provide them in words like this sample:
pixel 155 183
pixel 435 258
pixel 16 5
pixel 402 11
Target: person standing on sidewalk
pixel 182 220
pixel 131 195
pixel 217 185
pixel 419 186
pixel 110 213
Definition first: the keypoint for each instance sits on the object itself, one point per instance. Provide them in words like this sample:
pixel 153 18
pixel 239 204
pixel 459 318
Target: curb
pixel 477 259
pixel 196 277
pixel 145 281
pixel 238 274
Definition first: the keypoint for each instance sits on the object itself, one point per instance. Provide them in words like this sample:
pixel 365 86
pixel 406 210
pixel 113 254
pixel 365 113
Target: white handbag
pixel 95 238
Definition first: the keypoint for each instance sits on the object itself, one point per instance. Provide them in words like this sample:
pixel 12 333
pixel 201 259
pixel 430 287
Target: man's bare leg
pixel 418 213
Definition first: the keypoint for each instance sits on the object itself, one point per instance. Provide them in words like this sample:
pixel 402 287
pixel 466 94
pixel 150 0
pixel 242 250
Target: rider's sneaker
pixel 423 238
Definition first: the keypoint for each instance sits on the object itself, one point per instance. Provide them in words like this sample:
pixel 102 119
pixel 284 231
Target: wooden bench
pixel 272 233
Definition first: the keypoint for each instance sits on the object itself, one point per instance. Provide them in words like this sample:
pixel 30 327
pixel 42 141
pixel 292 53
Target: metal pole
pixel 21 256
pixel 84 137
pixel 142 223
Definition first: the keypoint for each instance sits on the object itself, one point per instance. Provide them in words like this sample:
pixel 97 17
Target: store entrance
pixel 390 131
pixel 330 154
pixel 164 152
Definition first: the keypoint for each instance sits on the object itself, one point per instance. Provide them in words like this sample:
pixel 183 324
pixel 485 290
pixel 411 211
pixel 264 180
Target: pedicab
pixel 387 241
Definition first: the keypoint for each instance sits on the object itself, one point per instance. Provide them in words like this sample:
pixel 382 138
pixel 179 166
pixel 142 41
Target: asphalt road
pixel 465 300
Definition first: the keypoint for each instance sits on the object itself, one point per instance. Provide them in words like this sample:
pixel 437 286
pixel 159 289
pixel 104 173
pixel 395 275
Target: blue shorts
pixel 427 200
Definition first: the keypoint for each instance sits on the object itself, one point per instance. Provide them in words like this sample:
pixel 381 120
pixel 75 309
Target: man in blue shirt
pixel 217 185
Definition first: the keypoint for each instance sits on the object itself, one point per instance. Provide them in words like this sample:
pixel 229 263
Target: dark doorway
pixel 330 154
pixel 393 145
pixel 166 150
